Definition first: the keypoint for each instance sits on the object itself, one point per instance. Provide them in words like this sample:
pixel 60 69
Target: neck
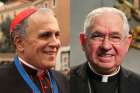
pixel 104 72
pixel 104 77
pixel 27 64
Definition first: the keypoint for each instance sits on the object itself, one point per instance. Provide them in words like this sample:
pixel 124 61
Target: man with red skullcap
pixel 36 36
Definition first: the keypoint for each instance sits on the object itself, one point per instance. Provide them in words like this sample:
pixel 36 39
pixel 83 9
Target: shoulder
pixel 59 77
pixel 78 75
pixel 5 69
pixel 132 76
pixel 78 70
pixel 58 74
pixel 62 81
pixel 8 73
pixel 79 78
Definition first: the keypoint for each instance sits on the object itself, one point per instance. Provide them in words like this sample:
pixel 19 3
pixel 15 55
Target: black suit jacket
pixel 129 81
pixel 12 82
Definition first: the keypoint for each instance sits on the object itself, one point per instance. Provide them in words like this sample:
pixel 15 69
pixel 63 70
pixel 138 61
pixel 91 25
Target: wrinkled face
pixel 42 41
pixel 106 44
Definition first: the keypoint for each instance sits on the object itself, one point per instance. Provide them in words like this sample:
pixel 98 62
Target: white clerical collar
pixel 27 64
pixel 104 77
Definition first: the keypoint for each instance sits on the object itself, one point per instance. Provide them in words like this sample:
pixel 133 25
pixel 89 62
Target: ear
pixel 82 39
pixel 129 39
pixel 19 43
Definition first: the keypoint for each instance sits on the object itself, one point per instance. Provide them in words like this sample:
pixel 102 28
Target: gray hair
pixel 20 29
pixel 91 16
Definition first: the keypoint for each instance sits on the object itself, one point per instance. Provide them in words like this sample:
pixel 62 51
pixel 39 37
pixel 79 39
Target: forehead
pixel 42 22
pixel 107 22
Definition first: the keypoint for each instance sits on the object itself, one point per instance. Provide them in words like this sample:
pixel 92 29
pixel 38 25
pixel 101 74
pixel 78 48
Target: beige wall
pixel 62 11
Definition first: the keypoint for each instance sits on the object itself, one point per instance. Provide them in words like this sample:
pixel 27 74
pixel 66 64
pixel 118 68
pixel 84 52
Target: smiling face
pixel 41 43
pixel 107 43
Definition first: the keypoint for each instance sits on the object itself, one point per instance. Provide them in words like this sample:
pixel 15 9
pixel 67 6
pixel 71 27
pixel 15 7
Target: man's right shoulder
pixel 5 69
pixel 78 70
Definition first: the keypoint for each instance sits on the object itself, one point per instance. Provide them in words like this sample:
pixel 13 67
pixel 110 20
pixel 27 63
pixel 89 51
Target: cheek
pixel 121 55
pixel 32 48
pixel 124 51
pixel 125 47
pixel 91 50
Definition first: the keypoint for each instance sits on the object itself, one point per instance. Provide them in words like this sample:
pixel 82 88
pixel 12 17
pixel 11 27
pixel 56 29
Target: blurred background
pixel 71 15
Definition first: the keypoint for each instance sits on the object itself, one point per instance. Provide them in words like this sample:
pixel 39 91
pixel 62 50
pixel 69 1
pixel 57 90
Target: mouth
pixel 50 52
pixel 106 57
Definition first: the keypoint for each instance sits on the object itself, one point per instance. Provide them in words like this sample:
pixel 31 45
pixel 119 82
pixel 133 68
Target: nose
pixel 54 42
pixel 106 44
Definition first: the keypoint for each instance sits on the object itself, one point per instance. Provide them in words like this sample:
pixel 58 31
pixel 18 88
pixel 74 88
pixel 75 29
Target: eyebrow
pixel 98 32
pixel 115 33
pixel 48 33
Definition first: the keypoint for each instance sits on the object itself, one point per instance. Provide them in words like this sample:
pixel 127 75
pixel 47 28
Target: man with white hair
pixel 105 41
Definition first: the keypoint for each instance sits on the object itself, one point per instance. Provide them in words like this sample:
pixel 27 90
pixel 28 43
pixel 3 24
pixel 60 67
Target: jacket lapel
pixel 125 85
pixel 82 72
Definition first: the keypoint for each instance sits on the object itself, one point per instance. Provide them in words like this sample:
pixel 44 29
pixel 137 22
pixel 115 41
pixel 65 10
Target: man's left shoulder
pixel 132 76
pixel 62 81
pixel 58 74
pixel 60 78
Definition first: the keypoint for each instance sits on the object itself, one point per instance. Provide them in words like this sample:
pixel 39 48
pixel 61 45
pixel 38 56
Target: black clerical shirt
pixel 97 86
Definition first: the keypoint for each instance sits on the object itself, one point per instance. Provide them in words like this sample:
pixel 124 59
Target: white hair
pixel 91 17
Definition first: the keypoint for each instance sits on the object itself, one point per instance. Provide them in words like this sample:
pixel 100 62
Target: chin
pixel 47 64
pixel 106 66
pixel 50 64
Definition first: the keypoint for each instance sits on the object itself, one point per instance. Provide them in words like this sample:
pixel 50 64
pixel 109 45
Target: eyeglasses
pixel 114 37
